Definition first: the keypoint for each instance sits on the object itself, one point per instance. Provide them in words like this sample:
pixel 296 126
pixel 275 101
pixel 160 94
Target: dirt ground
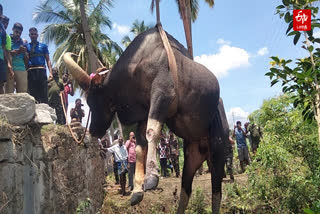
pixel 165 198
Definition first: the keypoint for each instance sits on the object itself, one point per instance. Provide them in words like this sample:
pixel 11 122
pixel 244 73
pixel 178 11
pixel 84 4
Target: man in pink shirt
pixel 68 89
pixel 131 148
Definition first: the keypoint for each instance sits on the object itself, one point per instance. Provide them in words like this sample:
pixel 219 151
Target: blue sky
pixel 234 40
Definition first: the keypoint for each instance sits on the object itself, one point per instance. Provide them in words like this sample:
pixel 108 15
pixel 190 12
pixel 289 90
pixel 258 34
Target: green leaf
pixel 302 2
pixel 287 17
pixel 276 59
pixel 296 38
pixel 270 74
pixel 293 33
pixel 288 61
pixel 310 33
pixel 313 25
pixel 280 7
pixel 274 82
pixel 286 2
pixel 310 49
pixel 296 102
pixel 289 27
pixel 317 40
pixel 274 70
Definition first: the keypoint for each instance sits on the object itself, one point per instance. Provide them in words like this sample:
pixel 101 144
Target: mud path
pixel 165 198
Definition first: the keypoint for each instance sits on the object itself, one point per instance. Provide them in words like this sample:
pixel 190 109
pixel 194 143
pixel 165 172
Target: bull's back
pixel 198 88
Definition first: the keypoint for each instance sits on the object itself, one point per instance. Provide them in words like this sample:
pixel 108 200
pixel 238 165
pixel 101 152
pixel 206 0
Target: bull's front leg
pixel 141 154
pixel 161 101
pixel 153 135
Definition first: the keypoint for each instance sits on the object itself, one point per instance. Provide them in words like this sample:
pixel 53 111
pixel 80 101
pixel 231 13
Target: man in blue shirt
pixel 37 77
pixel 19 62
pixel 243 154
pixel 5 56
pixel 3 39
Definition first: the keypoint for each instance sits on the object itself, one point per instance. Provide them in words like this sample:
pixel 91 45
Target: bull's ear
pixel 98 78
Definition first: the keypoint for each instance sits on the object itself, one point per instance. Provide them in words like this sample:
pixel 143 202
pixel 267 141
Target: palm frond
pixel 46 14
pixel 210 3
pixel 153 2
pixel 102 7
pixel 126 41
pixel 57 33
pixel 194 4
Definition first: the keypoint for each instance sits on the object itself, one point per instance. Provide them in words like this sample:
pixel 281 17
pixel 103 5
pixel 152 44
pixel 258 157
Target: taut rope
pixel 65 114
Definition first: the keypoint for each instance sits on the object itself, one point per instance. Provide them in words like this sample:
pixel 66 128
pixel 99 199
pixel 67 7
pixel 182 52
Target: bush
pixel 197 204
pixel 284 176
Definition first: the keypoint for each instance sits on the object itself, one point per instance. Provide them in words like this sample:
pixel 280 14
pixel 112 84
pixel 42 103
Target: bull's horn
pixel 77 72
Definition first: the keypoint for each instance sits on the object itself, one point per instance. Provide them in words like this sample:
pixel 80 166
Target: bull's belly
pixel 190 127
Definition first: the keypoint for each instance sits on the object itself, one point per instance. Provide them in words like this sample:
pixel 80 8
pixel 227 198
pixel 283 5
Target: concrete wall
pixel 42 170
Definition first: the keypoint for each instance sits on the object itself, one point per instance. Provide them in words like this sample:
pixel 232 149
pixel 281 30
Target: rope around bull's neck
pixel 65 114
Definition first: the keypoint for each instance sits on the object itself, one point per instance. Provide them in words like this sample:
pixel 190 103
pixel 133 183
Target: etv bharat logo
pixel 301 20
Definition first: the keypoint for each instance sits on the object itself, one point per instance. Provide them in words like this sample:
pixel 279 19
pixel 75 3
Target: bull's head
pixel 98 97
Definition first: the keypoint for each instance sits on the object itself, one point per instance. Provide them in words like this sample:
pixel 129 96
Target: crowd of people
pixel 23 69
pixel 253 133
pixel 124 156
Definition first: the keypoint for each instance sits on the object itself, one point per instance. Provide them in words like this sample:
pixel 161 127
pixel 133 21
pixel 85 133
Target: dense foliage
pixel 284 176
pixel 301 78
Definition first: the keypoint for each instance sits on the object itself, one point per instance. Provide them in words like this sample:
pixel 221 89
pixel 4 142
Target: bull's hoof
pixel 151 182
pixel 136 198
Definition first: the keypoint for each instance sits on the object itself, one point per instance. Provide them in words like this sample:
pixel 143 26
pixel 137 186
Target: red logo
pixel 301 20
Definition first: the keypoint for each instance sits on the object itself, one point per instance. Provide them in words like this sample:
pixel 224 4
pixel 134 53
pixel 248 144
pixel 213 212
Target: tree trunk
pixel 93 59
pixel 190 46
pixel 318 122
pixel 316 107
pixel 186 23
pixel 158 11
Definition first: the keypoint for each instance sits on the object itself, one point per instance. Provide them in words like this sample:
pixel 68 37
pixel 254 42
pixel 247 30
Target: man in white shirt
pixel 121 156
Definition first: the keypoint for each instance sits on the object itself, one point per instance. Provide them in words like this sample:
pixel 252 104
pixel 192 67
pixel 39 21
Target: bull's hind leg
pixel 141 154
pixel 217 156
pixel 217 171
pixel 194 156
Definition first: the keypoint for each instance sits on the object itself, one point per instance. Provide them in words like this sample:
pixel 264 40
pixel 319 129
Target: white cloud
pixel 237 114
pixel 263 51
pixel 227 58
pixel 121 29
pixel 223 42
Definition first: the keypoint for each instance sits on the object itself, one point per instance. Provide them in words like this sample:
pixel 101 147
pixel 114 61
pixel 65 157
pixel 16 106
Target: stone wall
pixel 43 170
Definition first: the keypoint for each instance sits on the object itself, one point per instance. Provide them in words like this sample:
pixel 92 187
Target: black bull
pixel 141 89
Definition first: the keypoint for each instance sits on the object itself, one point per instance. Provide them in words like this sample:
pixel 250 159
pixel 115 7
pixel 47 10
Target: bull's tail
pixel 218 138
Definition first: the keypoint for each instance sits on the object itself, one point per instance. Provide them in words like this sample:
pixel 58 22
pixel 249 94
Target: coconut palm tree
pixel 136 29
pixel 188 10
pixel 93 62
pixel 76 26
pixel 65 29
